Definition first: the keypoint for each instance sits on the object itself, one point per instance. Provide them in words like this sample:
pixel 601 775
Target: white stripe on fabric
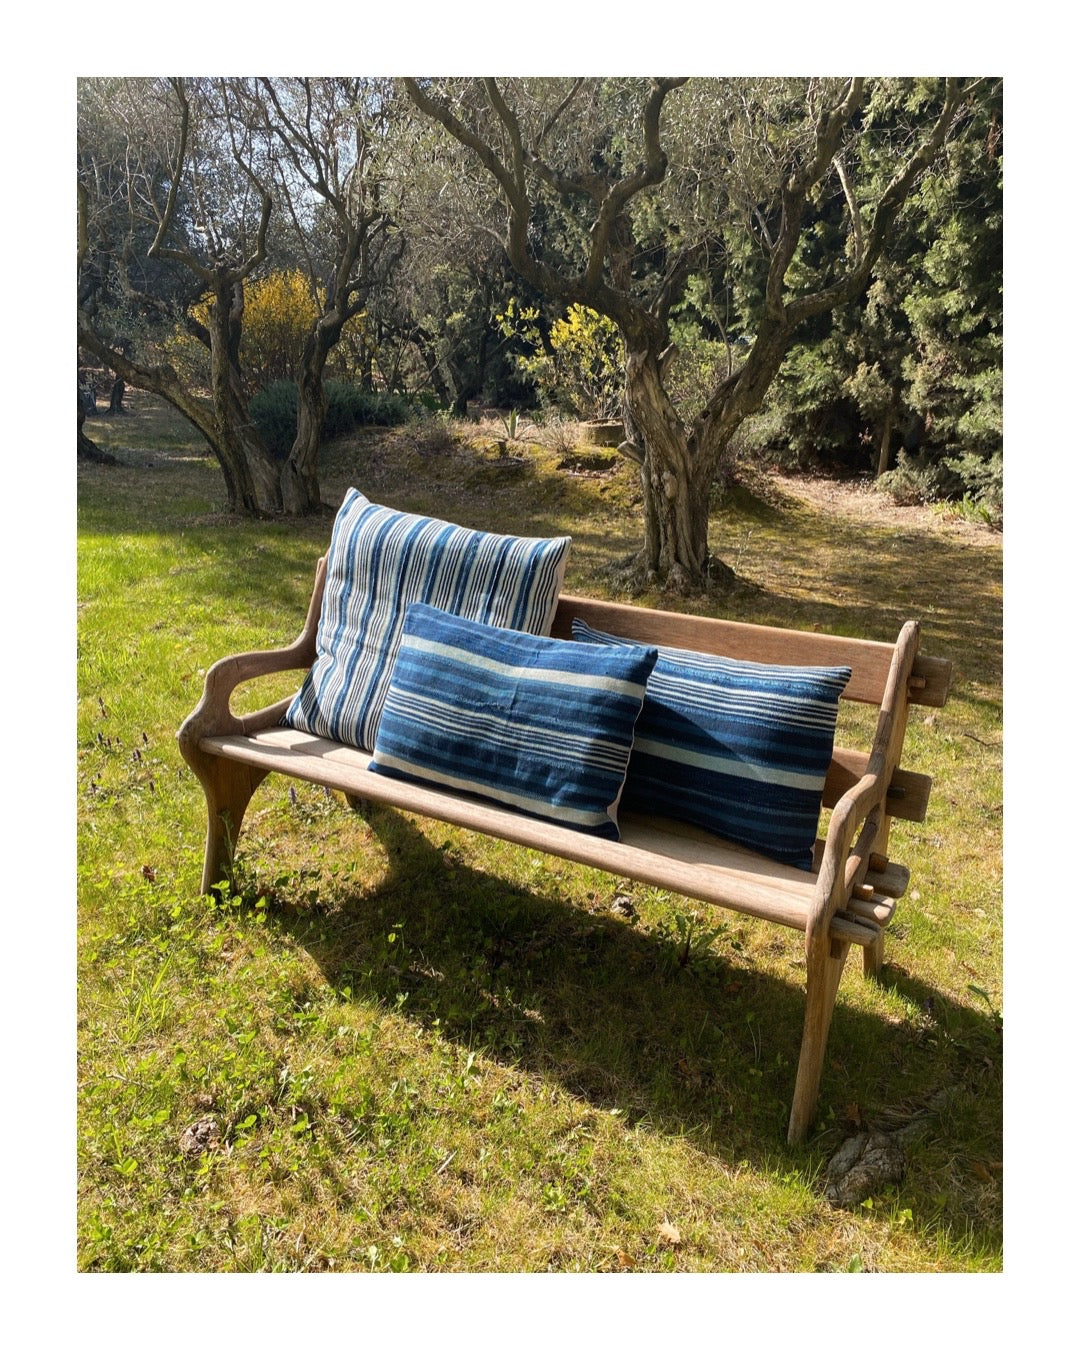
pixel 730 768
pixel 541 674
pixel 443 717
pixel 534 805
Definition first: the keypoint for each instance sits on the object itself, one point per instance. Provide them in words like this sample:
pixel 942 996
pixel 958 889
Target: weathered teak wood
pixel 870 661
pixel 228 787
pixel 846 901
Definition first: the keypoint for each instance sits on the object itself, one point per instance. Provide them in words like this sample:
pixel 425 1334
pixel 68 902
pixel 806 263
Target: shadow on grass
pixel 706 1050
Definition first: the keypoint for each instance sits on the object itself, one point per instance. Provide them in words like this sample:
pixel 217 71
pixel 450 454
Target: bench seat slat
pixel 657 852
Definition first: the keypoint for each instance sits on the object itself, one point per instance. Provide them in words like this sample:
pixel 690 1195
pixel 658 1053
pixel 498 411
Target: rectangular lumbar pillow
pixel 738 748
pixel 534 723
pixel 379 562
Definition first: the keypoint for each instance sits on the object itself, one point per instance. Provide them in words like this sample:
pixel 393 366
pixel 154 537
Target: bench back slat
pixel 908 795
pixel 869 661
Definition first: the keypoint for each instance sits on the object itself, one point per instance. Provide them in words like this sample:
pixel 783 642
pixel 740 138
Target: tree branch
pixel 651 173
pixel 853 207
pixel 439 112
pixel 165 224
pixel 549 125
pixel 831 123
pixel 246 267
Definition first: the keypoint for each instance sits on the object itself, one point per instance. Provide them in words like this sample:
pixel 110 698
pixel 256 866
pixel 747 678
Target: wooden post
pixel 823 971
pixel 873 957
pixel 228 785
pixel 228 789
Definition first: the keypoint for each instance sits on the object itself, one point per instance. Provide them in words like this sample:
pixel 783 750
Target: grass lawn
pixel 403 1048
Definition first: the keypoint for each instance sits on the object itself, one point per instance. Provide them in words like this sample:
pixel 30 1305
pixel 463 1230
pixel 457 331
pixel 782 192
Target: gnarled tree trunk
pixel 678 468
pixel 86 448
pixel 299 476
pixel 251 474
pixel 675 480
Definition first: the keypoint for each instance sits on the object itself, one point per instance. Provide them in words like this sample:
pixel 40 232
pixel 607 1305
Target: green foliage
pixel 923 353
pixel 348 407
pixel 273 410
pixel 580 366
pixel 810 421
pixel 915 480
pixel 983 485
pixel 974 485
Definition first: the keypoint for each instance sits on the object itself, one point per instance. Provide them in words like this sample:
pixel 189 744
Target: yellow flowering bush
pixel 584 374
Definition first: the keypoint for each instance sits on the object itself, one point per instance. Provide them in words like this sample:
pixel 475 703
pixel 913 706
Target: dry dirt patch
pixel 856 499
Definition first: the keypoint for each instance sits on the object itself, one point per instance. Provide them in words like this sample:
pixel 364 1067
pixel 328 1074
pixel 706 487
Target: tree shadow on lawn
pixel 707 1050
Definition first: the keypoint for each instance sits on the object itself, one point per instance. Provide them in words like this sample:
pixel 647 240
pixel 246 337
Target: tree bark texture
pixel 85 447
pixel 888 422
pixel 675 481
pixel 251 474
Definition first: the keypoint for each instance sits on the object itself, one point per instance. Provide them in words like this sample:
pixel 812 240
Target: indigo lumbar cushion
pixel 534 723
pixel 379 562
pixel 737 748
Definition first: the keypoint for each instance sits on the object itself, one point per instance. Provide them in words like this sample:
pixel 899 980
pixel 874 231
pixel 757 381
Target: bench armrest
pixel 213 715
pixel 846 857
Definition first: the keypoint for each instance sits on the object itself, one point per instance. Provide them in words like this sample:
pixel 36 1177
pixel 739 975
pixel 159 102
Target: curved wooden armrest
pixel 835 878
pixel 864 800
pixel 213 715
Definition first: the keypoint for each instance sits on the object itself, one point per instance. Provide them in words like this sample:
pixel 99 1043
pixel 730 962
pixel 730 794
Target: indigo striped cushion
pixel 538 724
pixel 378 563
pixel 735 747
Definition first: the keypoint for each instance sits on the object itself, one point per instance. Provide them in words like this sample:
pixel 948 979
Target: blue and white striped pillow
pixel 537 724
pixel 737 748
pixel 379 562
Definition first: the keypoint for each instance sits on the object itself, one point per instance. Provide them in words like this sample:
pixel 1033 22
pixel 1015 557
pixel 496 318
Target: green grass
pixel 415 1049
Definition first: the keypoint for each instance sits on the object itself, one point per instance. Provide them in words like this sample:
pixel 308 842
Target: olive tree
pixel 186 189
pixel 645 200
pixel 206 216
pixel 329 135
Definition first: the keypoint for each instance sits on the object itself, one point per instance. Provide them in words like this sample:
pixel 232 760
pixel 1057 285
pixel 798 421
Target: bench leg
pixel 823 971
pixel 873 958
pixel 228 787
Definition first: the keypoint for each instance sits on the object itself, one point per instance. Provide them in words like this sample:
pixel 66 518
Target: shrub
pixel 975 482
pixel 434 433
pixel 279 312
pixel 348 406
pixel 983 479
pixel 273 410
pixel 915 480
pixel 581 368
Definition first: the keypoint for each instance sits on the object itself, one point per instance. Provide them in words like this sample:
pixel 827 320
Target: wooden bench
pixel 845 902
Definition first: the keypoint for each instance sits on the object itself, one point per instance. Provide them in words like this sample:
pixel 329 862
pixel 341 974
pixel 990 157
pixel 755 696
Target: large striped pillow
pixel 737 748
pixel 379 562
pixel 537 724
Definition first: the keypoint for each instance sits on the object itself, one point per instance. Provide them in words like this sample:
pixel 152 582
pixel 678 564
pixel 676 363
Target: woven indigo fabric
pixel 735 747
pixel 537 724
pixel 378 563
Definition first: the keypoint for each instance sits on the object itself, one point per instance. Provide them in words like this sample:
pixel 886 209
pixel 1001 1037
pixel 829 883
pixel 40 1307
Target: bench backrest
pixel 870 664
